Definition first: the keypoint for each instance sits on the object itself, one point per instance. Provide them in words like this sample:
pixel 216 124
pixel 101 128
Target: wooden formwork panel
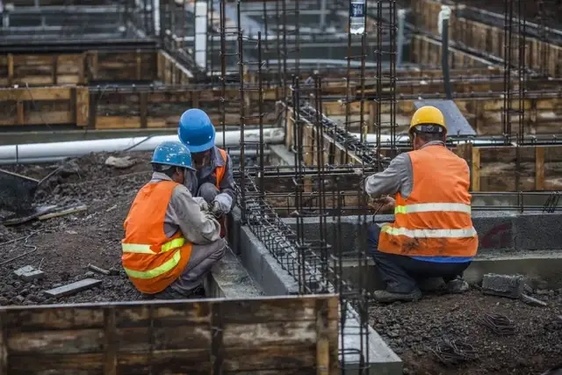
pixel 170 72
pixel 41 69
pixel 275 335
pixel 163 107
pixel 512 168
pixel 542 115
pixel 76 68
pixel 427 51
pixel 541 56
pixel 136 65
pixel 30 3
pixel 44 106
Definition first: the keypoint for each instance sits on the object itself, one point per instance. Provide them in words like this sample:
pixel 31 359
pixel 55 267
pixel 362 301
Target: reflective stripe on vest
pixel 157 271
pixel 146 249
pixel 433 207
pixel 429 233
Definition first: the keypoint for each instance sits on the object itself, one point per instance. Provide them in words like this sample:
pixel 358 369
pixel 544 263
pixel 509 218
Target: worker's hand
pixel 221 204
pixel 203 205
pixel 382 204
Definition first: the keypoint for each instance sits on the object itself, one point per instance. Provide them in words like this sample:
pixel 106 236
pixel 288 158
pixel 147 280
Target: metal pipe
pixel 201 26
pixel 27 153
pixel 444 16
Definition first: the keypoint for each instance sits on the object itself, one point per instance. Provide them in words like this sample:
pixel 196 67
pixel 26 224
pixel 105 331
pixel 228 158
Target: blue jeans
pixel 402 273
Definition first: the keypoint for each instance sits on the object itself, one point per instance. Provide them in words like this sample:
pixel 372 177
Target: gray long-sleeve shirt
pixel 398 177
pixel 206 174
pixel 184 214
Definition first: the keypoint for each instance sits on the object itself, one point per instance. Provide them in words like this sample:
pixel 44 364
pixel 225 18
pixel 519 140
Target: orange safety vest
pixel 151 259
pixel 435 220
pixel 221 170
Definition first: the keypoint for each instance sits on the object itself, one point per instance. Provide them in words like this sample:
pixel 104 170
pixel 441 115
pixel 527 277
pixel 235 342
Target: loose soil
pixel 65 246
pixel 413 330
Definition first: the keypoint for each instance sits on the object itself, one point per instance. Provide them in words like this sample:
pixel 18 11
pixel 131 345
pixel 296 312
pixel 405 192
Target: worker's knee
pixel 217 249
pixel 208 192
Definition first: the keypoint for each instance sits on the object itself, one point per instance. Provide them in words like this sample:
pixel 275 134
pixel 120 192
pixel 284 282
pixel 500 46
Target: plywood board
pixel 277 335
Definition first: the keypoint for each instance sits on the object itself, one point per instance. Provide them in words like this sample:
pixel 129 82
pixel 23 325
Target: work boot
pixel 457 286
pixel 384 296
pixel 432 285
pixel 197 293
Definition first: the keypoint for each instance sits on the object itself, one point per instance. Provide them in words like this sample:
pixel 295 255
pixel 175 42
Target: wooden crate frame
pixel 487 38
pixel 512 168
pixel 285 335
pixel 77 68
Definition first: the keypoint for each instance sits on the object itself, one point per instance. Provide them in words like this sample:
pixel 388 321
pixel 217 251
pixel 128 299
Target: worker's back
pixel 434 220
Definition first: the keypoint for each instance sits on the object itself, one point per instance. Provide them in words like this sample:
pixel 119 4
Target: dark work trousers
pixel 402 273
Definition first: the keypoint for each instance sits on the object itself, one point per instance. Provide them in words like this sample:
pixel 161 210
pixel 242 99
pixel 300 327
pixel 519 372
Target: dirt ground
pixel 65 246
pixel 414 330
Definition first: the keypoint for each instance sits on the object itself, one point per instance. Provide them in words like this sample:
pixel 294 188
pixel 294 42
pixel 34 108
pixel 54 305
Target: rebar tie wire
pixel 499 324
pixel 453 352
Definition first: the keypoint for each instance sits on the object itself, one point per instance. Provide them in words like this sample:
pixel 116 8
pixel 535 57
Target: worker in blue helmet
pixel 215 181
pixel 171 240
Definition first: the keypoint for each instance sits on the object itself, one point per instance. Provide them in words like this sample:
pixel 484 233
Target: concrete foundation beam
pixel 362 345
pixel 229 279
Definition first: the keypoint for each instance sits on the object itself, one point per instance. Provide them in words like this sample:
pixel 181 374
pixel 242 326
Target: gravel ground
pixel 415 330
pixel 66 245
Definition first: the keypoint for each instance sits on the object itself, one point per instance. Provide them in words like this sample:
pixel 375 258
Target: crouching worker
pixel 215 182
pixel 432 235
pixel 170 243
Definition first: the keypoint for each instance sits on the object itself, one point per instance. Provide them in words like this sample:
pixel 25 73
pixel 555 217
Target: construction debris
pixel 120 163
pixel 532 301
pixel 510 286
pixel 101 270
pixel 29 273
pixel 73 288
pixel 63 211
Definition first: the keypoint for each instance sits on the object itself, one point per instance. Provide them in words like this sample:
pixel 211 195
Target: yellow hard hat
pixel 427 116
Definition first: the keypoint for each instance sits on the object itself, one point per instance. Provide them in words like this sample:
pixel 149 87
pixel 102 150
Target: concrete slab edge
pixel 263 267
pixel 231 279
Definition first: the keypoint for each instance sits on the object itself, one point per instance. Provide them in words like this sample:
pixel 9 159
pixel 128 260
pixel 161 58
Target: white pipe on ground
pixel 54 151
pixel 372 138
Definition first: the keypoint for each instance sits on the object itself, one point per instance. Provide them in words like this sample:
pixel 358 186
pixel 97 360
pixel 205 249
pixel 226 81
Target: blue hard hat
pixel 196 131
pixel 172 153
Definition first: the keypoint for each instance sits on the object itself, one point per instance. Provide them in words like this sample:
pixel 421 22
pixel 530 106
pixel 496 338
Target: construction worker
pixel 432 235
pixel 170 242
pixel 215 182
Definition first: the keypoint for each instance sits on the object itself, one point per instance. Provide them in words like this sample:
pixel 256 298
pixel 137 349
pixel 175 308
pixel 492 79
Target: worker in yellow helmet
pixel 432 237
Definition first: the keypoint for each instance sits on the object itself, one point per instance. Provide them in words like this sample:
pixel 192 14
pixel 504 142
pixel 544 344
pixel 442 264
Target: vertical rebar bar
pixel 507 94
pixel 241 72
pixel 260 114
pixel 223 54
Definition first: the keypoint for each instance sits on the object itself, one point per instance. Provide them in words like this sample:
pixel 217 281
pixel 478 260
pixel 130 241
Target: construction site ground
pixel 414 331
pixel 66 245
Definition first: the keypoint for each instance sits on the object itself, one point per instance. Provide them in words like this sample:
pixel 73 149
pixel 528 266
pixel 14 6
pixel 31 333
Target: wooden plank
pixel 3 344
pixel 270 310
pixel 539 168
pixel 269 357
pixel 475 169
pixel 134 337
pixel 35 94
pixel 72 288
pixel 168 315
pixel 111 343
pixel 55 342
pixel 269 334
pixel 488 38
pixel 82 106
